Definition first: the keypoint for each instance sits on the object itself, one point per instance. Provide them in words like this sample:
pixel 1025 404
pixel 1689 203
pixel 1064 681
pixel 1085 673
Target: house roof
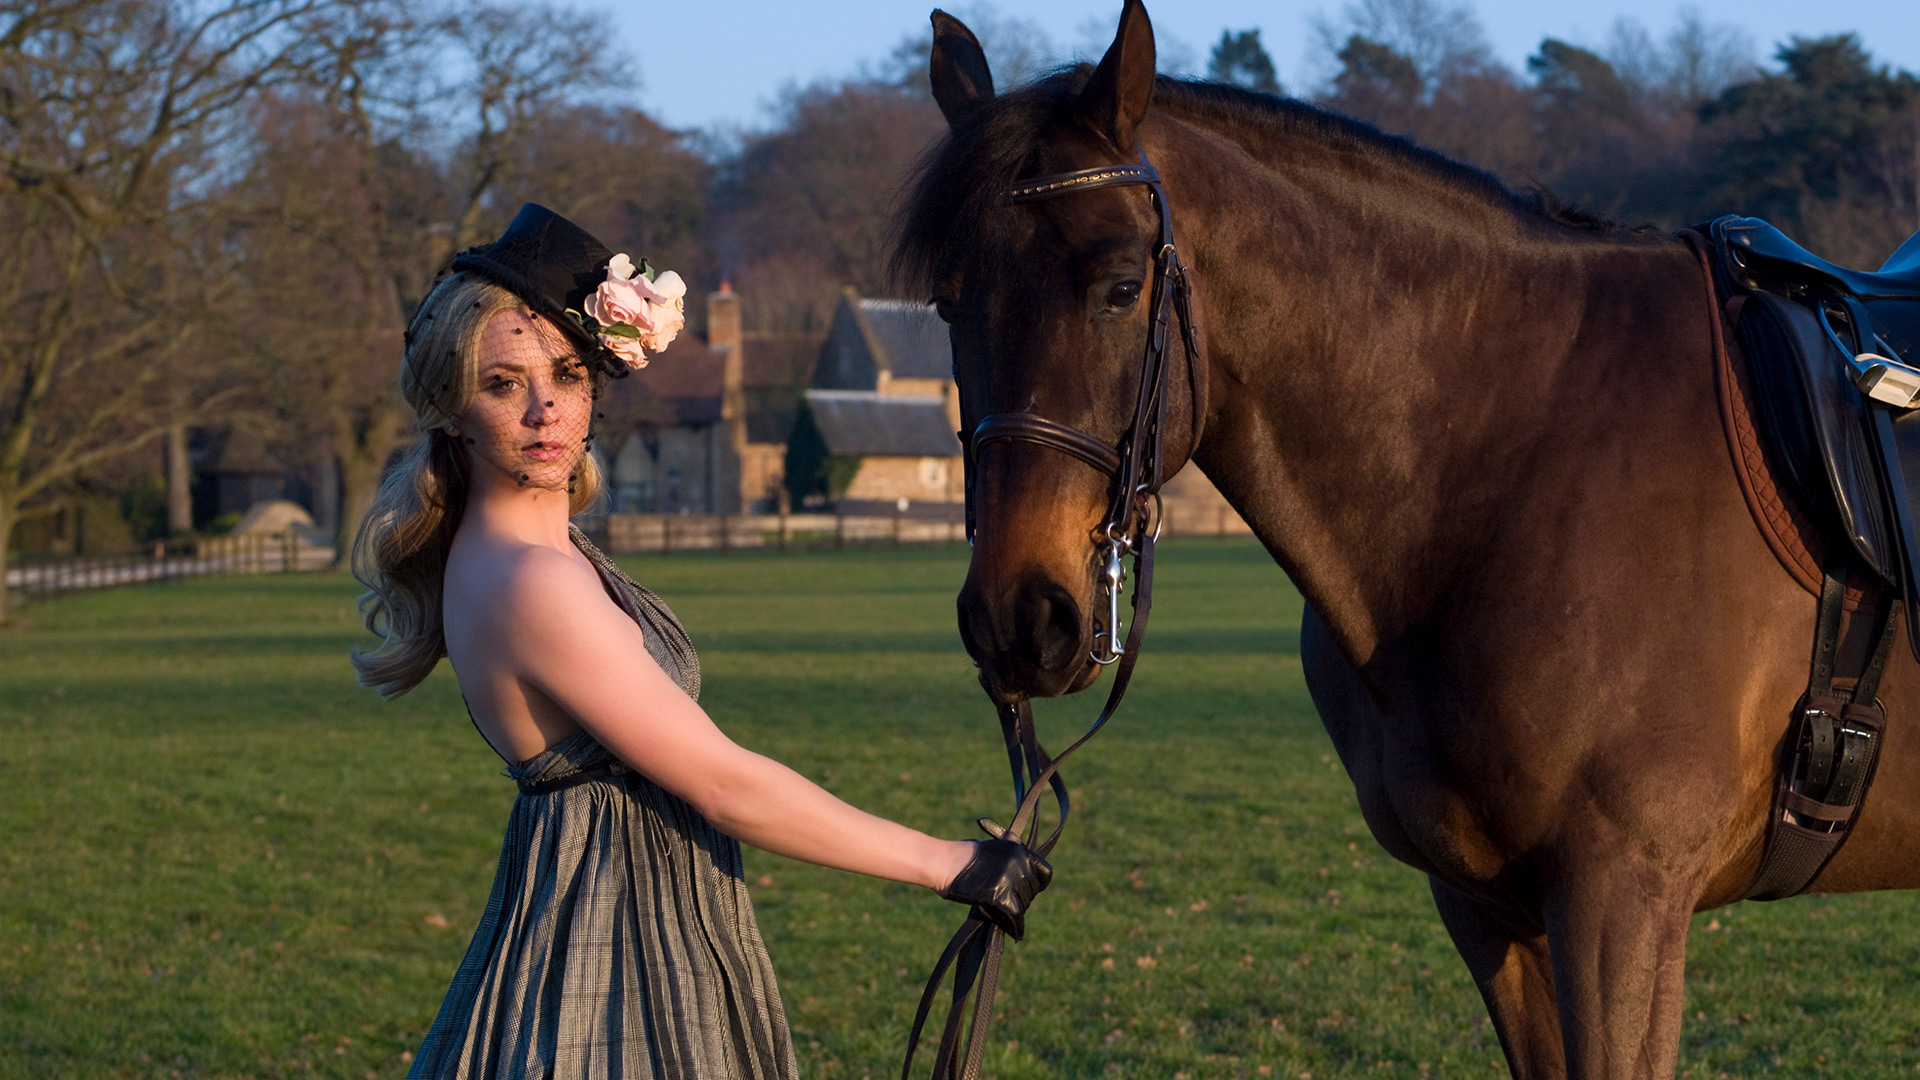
pixel 686 385
pixel 861 423
pixel 869 336
pixel 910 336
pixel 681 385
pixel 780 360
pixel 625 404
pixel 771 412
pixel 689 368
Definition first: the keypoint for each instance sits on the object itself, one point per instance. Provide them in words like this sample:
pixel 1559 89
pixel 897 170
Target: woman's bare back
pixel 485 637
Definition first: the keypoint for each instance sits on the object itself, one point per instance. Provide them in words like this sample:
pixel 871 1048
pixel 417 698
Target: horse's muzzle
pixel 1030 641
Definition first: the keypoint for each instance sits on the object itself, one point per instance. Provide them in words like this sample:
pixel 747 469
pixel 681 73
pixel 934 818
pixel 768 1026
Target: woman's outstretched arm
pixel 570 643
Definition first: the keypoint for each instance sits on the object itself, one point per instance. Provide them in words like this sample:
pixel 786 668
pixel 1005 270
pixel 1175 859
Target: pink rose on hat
pixel 638 313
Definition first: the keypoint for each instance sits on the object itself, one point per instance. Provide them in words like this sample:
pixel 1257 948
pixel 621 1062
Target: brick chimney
pixel 723 334
pixel 723 318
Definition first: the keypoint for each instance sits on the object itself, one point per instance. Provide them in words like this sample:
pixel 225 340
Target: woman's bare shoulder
pixel 520 585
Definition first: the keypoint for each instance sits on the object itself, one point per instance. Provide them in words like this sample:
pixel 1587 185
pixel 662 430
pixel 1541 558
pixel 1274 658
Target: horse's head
pixel 1051 304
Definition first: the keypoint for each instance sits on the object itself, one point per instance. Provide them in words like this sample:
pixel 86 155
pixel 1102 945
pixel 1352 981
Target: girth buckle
pixel 1833 757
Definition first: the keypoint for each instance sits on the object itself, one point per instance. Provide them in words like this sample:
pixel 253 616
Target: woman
pixel 618 939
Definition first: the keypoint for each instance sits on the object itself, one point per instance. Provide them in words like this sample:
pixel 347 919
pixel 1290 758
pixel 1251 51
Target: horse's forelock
pixel 955 210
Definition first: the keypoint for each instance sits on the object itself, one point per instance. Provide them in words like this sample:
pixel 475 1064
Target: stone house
pixel 881 449
pixel 894 348
pixel 880 415
pixel 702 429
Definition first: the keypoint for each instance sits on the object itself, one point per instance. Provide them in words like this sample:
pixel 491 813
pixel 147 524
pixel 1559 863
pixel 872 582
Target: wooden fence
pixel 665 533
pixel 269 553
pixel 253 553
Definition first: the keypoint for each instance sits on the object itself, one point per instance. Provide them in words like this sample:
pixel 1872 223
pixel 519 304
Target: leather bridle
pixel 1133 467
pixel 1131 526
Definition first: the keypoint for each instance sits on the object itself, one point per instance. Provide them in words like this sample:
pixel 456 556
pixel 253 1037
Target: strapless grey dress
pixel 618 940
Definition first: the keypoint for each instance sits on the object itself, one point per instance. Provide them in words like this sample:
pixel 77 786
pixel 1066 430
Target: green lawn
pixel 218 858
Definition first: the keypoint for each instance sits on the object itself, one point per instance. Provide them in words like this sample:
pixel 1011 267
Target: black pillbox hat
pixel 553 265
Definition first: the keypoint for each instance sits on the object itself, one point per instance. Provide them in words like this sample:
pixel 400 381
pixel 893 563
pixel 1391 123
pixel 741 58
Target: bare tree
pixel 521 63
pixel 1439 39
pixel 113 119
pixel 1478 113
pixel 326 274
pixel 355 196
pixel 641 187
pixel 1690 66
pixel 1018 51
pixel 803 209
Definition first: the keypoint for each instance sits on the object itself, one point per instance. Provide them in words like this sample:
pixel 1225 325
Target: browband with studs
pixel 1046 187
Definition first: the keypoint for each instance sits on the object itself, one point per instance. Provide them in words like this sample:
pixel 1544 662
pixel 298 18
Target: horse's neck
pixel 1387 362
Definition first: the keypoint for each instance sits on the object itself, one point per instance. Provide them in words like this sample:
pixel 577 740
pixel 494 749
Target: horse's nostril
pixel 969 638
pixel 1050 632
pixel 1026 639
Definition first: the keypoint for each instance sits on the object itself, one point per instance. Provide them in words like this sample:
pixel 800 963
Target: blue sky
pixel 718 63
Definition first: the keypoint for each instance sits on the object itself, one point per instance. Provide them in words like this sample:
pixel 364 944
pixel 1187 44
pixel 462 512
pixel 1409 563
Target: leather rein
pixel 1131 526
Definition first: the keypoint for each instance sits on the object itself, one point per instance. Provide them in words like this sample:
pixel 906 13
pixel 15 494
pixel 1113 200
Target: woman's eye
pixel 1123 295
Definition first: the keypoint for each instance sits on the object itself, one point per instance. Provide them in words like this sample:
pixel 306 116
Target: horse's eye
pixel 944 309
pixel 1123 295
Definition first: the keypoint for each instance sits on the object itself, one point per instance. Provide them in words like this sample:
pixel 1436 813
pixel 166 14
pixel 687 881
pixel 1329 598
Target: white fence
pixel 254 553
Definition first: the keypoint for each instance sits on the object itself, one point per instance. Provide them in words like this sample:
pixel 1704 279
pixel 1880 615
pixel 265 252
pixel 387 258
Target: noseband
pixel 1133 469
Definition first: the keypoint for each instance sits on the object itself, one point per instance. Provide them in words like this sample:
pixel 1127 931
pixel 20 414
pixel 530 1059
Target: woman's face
pixel 530 415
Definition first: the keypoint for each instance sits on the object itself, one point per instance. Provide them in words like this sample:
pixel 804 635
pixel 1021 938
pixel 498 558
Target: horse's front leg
pixel 1618 933
pixel 1508 956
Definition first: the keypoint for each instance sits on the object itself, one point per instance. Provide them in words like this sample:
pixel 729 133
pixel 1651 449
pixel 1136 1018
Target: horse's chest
pixel 1441 799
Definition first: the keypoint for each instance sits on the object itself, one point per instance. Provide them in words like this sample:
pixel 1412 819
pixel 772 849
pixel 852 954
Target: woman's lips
pixel 543 451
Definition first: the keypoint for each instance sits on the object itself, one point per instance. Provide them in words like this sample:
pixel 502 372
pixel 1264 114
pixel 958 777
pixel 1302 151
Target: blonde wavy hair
pixel 400 554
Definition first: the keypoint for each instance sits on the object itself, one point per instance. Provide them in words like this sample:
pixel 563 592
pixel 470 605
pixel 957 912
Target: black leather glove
pixel 1000 881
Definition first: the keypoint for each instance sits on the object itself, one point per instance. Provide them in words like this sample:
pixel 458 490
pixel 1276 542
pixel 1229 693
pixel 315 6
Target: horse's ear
pixel 1116 98
pixel 958 70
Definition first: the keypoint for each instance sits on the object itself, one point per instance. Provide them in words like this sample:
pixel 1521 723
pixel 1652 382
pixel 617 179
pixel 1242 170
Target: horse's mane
pixel 953 202
pixel 1235 105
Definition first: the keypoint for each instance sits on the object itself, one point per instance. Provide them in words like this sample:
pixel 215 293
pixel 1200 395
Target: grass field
pixel 218 858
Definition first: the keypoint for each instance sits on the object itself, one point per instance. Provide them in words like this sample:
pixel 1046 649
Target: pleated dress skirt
pixel 618 940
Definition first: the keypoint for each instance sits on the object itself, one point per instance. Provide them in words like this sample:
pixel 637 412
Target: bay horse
pixel 1480 434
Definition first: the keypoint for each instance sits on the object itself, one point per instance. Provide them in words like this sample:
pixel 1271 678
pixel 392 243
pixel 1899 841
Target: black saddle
pixel 1776 253
pixel 1834 356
